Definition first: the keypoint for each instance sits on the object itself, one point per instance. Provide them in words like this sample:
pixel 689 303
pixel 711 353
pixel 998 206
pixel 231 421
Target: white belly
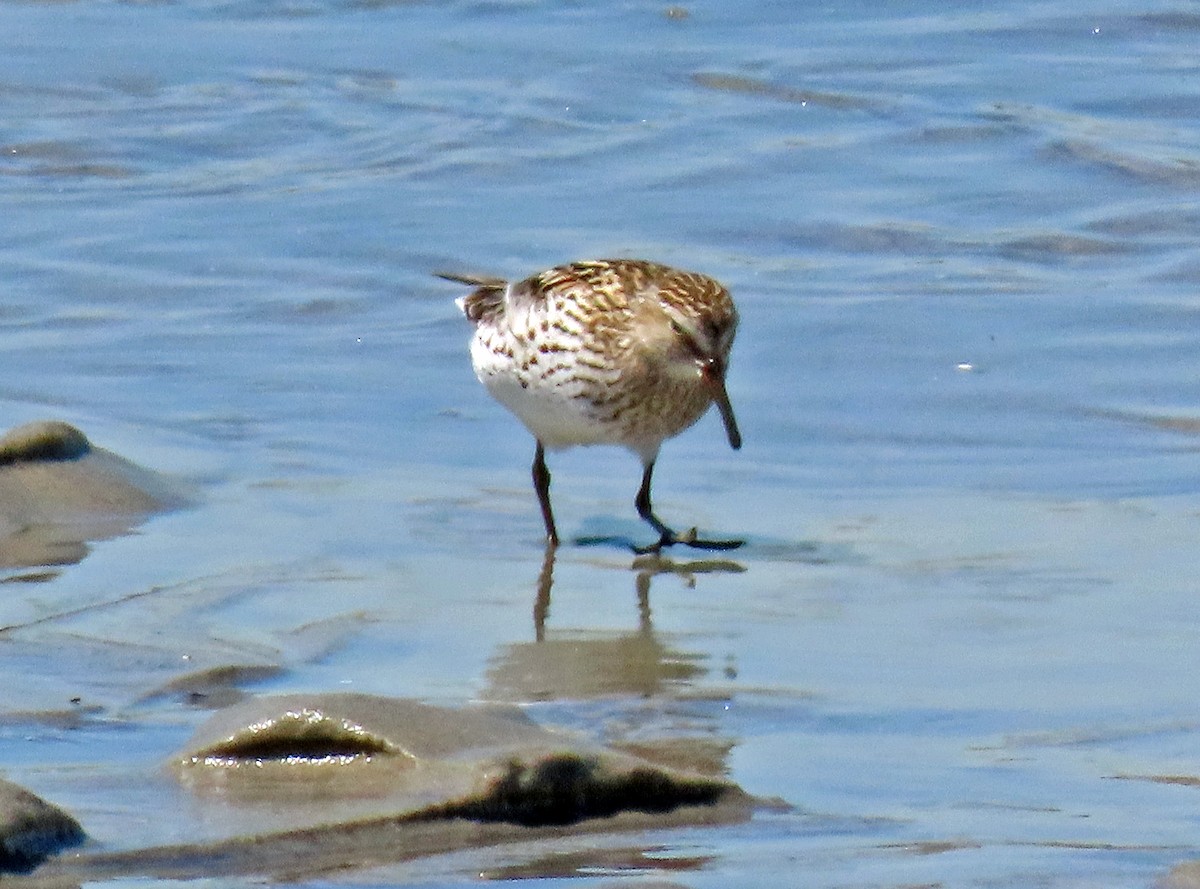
pixel 550 405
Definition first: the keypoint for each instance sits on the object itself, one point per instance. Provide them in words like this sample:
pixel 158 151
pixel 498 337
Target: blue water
pixel 964 247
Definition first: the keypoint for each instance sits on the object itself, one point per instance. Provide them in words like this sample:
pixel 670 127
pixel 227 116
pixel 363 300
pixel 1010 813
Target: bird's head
pixel 699 341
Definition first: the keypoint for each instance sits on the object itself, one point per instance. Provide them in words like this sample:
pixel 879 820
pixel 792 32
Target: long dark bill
pixel 721 397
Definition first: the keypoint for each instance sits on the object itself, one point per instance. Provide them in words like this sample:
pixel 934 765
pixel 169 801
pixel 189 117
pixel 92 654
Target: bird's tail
pixel 488 281
pixel 485 302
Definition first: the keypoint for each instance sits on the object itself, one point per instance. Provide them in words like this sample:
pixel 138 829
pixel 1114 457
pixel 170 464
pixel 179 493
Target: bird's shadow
pixel 688 539
pixel 645 567
pixel 616 541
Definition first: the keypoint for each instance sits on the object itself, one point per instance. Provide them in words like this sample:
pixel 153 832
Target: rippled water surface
pixel 961 640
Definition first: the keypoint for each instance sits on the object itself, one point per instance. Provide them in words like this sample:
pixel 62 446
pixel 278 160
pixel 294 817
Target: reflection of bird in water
pixel 619 351
pixel 584 664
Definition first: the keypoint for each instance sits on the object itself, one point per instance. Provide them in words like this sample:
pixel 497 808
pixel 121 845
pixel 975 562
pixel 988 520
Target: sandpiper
pixel 609 351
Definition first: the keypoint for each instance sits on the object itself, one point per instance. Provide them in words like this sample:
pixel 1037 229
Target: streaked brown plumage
pixel 615 351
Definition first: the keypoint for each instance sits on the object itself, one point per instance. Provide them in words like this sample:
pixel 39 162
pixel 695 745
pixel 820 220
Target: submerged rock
pixel 394 754
pixel 482 763
pixel 58 492
pixel 32 829
pixel 330 782
pixel 214 687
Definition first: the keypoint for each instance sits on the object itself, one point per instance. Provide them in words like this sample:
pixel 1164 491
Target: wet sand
pixel 960 639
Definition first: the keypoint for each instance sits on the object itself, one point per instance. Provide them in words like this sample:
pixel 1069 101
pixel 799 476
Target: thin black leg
pixel 667 537
pixel 541 484
pixel 646 511
pixel 545 581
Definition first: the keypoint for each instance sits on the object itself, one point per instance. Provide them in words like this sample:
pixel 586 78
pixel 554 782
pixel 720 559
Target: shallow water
pixel 961 640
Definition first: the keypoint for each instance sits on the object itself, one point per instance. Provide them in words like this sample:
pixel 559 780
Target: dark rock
pixel 32 829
